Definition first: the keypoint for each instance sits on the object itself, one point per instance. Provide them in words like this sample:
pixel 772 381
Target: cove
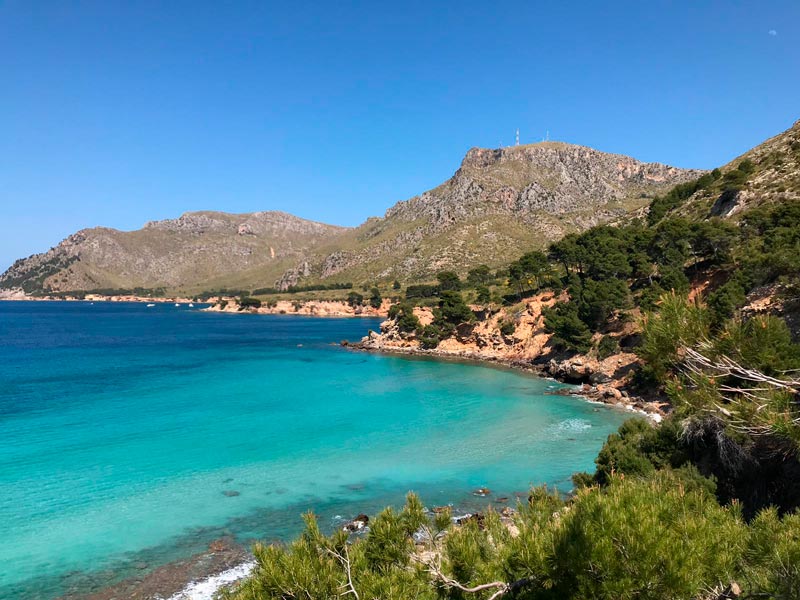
pixel 134 436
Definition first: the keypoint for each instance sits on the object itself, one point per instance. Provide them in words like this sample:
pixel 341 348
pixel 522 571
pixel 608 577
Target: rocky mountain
pixel 498 204
pixel 199 250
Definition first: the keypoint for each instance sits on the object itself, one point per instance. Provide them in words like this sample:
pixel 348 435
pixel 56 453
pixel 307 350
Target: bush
pixel 448 281
pixel 375 299
pixel 638 449
pixel 508 328
pixel 453 309
pixel 422 290
pixel 724 301
pixel 569 332
pixel 483 296
pixel 678 323
pixel 645 539
pixel 607 346
pixel 429 337
pixel 479 276
pixel 249 302
pixel 355 299
pixel 403 314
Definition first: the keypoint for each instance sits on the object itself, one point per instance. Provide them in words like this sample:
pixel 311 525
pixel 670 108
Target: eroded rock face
pixel 293 276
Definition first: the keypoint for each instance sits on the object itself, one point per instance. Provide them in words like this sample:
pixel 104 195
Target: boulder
pixel 357 524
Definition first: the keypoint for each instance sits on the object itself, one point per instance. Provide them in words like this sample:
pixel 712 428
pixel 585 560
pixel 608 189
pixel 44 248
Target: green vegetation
pixel 653 537
pixel 375 299
pixel 703 506
pixel 295 289
pixel 355 299
pixel 403 314
pixel 249 302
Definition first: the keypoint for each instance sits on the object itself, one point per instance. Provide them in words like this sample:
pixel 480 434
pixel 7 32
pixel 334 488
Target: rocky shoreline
pixel 528 348
pixel 593 392
pixel 225 564
pixel 307 308
pixel 198 577
pixel 19 296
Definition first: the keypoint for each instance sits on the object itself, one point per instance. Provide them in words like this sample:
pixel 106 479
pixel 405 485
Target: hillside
pixel 199 250
pixel 765 175
pixel 498 203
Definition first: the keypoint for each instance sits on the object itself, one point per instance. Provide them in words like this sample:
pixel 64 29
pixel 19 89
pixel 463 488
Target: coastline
pixel 306 308
pixel 597 393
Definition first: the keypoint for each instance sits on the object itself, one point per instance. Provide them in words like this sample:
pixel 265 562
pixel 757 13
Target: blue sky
pixel 116 113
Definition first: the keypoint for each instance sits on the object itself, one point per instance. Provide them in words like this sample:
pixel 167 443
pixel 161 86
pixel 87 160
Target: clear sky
pixel 116 113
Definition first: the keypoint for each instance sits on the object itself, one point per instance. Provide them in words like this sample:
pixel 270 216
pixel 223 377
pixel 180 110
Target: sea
pixel 132 436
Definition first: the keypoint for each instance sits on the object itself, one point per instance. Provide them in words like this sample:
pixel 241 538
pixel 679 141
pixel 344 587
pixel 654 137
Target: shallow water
pixel 133 436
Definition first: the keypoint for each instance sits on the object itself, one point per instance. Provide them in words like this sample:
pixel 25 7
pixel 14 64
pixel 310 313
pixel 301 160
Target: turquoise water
pixel 122 428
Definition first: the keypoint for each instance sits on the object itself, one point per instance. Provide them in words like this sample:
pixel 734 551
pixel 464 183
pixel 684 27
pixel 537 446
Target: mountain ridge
pixel 497 202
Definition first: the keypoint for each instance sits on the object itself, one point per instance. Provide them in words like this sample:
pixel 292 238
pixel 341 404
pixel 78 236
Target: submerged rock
pixel 230 493
pixel 357 524
pixel 482 492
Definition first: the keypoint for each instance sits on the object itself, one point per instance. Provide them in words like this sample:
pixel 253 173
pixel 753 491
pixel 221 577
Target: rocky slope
pixel 498 204
pixel 773 176
pixel 197 251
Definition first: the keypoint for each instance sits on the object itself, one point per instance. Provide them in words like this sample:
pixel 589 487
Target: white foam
pixel 574 425
pixel 206 588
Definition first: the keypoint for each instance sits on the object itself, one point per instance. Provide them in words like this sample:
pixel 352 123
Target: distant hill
pixel 497 204
pixel 199 250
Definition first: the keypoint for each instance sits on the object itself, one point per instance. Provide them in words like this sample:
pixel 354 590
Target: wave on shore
pixel 205 589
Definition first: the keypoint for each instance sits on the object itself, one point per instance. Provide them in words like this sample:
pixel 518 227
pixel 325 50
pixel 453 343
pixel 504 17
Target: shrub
pixel 453 309
pixel 645 539
pixel 355 299
pixel 678 323
pixel 422 290
pixel 607 346
pixel 483 296
pixel 448 281
pixel 508 328
pixel 249 302
pixel 403 314
pixel 479 276
pixel 569 332
pixel 375 299
pixel 429 337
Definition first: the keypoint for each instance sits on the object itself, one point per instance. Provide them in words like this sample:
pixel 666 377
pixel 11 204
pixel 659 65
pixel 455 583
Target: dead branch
pixel 345 561
pixel 501 587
